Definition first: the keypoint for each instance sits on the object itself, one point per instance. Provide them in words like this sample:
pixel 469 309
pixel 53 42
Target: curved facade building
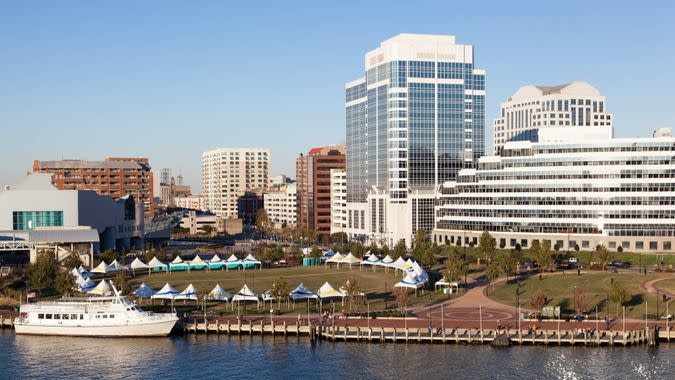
pixel 574 187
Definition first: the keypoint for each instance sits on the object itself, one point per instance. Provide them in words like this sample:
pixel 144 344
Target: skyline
pixel 164 75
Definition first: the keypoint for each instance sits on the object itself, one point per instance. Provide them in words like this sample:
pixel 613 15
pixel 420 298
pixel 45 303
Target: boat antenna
pixel 117 293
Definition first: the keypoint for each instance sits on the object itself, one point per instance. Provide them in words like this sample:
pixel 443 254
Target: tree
pixel 541 253
pixel 315 253
pixel 492 272
pixel 65 283
pixel 399 250
pixel 455 268
pixel 487 245
pixel 580 301
pixel 429 256
pixel 121 283
pixel 41 273
pixel 538 300
pixel 352 290
pixel 618 294
pixel 357 249
pixel 261 219
pixel 603 255
pixel 208 229
pixel 507 264
pixel 339 238
pixel 385 250
pixel 402 296
pixel 296 255
pixel 279 290
pixel 72 261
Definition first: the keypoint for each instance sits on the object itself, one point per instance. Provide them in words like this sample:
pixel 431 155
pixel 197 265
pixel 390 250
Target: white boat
pixel 113 316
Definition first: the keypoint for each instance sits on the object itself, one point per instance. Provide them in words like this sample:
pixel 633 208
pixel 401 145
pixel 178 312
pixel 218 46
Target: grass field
pixel 667 286
pixel 377 285
pixel 559 290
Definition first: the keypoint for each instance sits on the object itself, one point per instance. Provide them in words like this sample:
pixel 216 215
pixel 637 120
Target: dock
pixel 650 336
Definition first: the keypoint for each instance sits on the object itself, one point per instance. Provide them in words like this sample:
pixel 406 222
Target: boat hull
pixel 151 329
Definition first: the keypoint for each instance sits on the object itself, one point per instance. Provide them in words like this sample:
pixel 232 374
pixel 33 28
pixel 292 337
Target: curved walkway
pixel 650 286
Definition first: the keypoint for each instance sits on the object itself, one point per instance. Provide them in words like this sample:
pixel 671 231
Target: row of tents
pixel 415 276
pixel 178 264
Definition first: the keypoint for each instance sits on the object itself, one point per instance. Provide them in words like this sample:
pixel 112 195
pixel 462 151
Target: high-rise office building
pixel 313 187
pixel 576 104
pixel 413 121
pixel 115 177
pixel 228 173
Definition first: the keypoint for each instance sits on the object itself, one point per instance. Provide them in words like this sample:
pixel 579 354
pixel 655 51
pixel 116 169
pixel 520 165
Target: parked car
pixel 573 260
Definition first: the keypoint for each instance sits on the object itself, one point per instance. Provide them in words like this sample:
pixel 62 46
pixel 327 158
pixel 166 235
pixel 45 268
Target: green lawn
pixel 377 285
pixel 667 285
pixel 647 259
pixel 559 289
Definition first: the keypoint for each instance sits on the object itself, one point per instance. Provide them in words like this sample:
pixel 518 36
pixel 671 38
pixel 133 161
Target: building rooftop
pixel 82 164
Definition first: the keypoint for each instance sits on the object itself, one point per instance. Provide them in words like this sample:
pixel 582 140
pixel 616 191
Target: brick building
pixel 313 187
pixel 115 177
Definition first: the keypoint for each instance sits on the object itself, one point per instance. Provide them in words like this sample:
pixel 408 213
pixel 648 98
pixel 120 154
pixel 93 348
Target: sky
pixel 170 79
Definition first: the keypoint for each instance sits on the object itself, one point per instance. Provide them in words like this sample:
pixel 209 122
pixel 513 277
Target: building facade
pixel 313 187
pixel 115 177
pixel 192 202
pixel 575 187
pixel 228 173
pixel 281 205
pixel 413 121
pixel 576 104
pixel 338 201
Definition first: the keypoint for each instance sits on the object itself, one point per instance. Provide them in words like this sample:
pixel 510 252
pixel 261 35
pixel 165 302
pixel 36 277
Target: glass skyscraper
pixel 412 122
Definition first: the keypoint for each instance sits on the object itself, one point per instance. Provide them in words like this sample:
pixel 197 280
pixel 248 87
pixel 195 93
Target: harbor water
pixel 244 357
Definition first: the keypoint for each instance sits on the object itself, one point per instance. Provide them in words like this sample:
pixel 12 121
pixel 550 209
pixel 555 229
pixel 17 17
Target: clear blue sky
pixel 170 79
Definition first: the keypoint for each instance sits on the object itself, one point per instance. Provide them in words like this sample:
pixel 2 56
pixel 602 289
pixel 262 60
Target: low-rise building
pixel 575 187
pixel 192 202
pixel 281 205
pixel 338 200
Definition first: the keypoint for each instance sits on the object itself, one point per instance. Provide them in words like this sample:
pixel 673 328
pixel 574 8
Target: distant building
pixel 248 205
pixel 281 205
pixel 37 208
pixel 182 190
pixel 227 173
pixel 415 119
pixel 576 104
pixel 574 187
pixel 338 200
pixel 167 193
pixel 192 202
pixel 114 177
pixel 313 187
pixel 279 180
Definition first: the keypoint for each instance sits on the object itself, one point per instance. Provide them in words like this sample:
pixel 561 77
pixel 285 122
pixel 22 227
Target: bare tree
pixel 580 301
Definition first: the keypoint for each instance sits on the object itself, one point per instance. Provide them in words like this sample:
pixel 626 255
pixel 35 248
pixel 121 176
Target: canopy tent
pixel 233 262
pixel 357 294
pixel 386 261
pixel 76 273
pixel 246 294
pixel 83 271
pixel 409 281
pixel 329 253
pixel 116 265
pixel 419 272
pixel 267 296
pixel 350 259
pixel 443 283
pixel 198 263
pixel 251 262
pixel 103 289
pixel 327 291
pixel 335 259
pixel 144 291
pixel 371 260
pixel 216 262
pixel 218 294
pixel 167 292
pixel 178 264
pixel 301 292
pixel 190 293
pixel 157 265
pixel 409 263
pixel 84 285
pixel 398 264
pixel 138 264
pixel 103 268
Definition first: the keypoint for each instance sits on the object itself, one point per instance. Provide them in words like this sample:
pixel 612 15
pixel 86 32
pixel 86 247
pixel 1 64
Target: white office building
pixel 192 202
pixel 338 200
pixel 576 104
pixel 280 205
pixel 229 172
pixel 575 187
pixel 412 122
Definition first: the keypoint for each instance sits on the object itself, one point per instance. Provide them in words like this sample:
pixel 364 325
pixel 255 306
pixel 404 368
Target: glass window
pixel 667 246
pixel 639 245
pixel 48 316
pixel 41 316
pixel 653 245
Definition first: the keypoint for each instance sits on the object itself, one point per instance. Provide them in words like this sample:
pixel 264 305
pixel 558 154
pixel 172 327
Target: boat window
pixel 81 316
pixel 57 316
pixel 73 316
pixel 105 315
pixel 48 316
pixel 41 316
pixel 98 316
pixel 66 316
pixel 112 315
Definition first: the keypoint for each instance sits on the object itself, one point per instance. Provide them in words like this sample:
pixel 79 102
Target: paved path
pixel 650 286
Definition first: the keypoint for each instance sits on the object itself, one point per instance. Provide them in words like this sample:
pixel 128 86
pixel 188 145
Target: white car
pixel 573 260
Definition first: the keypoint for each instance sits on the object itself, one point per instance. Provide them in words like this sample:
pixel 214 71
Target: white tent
pixel 103 288
pixel 386 261
pixel 144 291
pixel 76 273
pixel 409 282
pixel 336 258
pixel 215 259
pixel 218 294
pixel 267 296
pixel 409 263
pixel 198 263
pixel 155 263
pixel 301 292
pixel 371 260
pixel 85 285
pixel 351 259
pixel 358 294
pixel 327 291
pixel 246 294
pixel 398 264
pixel 250 260
pixel 329 253
pixel 190 293
pixel 138 264
pixel 419 272
pixel 167 292
pixel 83 271
pixel 233 260
pixel 116 265
pixel 103 268
pixel 446 284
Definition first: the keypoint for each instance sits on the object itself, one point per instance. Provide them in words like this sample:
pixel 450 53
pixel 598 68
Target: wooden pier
pixel 440 336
